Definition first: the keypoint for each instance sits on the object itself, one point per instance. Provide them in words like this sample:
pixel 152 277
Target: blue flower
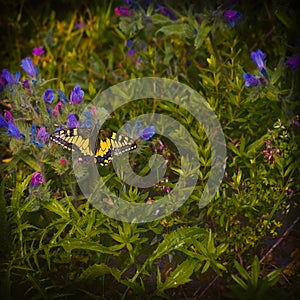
pixel 293 62
pixel 7 76
pixel 133 132
pixel 232 16
pixel 147 132
pixel 88 122
pixel 29 67
pixel 3 122
pixel 76 95
pixel 62 96
pixel 49 109
pixel 14 131
pixel 49 95
pixel 166 12
pixel 17 76
pixel 129 43
pixel 72 121
pixel 258 58
pixel 32 133
pixel 40 137
pixel 250 80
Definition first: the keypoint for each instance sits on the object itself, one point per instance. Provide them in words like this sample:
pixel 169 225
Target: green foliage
pixel 254 285
pixel 55 244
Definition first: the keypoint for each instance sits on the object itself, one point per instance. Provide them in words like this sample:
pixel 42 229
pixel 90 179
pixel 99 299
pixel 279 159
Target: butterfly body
pixel 99 144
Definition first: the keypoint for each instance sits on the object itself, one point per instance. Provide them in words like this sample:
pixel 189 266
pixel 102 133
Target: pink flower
pixel 38 51
pixel 36 179
pixel 123 11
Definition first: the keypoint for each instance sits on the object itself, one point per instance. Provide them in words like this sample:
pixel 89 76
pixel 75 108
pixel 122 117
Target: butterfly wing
pixel 112 145
pixel 102 146
pixel 74 139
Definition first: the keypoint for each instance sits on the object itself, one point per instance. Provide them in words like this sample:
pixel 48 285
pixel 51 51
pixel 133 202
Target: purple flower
pixel 42 134
pixel 25 84
pixel 159 148
pixel 2 83
pixel 76 95
pixel 147 132
pixel 6 119
pixel 270 152
pixel 166 12
pixel 36 179
pixel 232 16
pixel 123 11
pixel 38 51
pixel 33 135
pixel 49 95
pixel 130 52
pixel 14 131
pixel 8 116
pixel 79 25
pixel 72 121
pixel 293 62
pixel 294 122
pixel 250 80
pixel 29 67
pixel 7 76
pixel 258 58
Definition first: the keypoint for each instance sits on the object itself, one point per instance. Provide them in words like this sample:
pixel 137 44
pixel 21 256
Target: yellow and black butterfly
pixel 102 145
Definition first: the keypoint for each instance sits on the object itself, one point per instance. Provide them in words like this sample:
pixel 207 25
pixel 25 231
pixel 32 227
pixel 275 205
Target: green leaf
pixel 179 276
pixel 241 270
pixel 160 19
pixel 169 53
pixel 273 277
pixel 183 30
pixel 255 270
pixel 182 237
pixel 118 238
pixel 239 281
pixel 56 207
pixel 71 244
pixel 206 266
pixel 234 148
pixel 97 270
pixel 203 32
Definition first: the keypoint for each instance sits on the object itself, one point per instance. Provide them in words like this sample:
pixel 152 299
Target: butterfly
pixel 102 145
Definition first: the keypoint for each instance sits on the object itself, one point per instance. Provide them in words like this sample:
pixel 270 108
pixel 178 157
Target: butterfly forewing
pixel 74 139
pixel 100 145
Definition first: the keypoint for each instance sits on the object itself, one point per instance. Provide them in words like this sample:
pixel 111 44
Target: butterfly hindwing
pixel 100 145
pixel 121 144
